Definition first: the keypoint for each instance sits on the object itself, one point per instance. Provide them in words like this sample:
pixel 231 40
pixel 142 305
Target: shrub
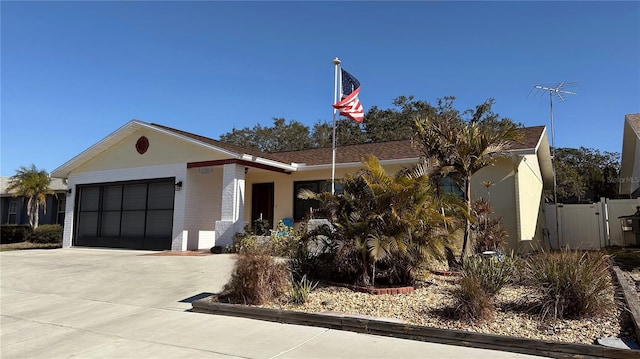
pixel 489 231
pixel 282 242
pixel 572 284
pixel 261 227
pixel 256 279
pixel 492 273
pixel 482 279
pixel 301 289
pixel 14 233
pixel 47 233
pixel 473 301
pixel 384 227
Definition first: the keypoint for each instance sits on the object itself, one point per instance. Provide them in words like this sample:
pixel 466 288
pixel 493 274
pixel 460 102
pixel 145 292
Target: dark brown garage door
pixel 135 215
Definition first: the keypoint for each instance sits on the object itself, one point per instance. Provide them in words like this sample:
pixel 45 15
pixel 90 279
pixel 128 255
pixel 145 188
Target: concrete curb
pixel 415 332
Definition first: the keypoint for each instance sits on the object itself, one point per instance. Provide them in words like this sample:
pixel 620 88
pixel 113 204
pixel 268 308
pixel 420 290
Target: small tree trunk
pixel 373 278
pixel 32 213
pixel 36 217
pixel 467 227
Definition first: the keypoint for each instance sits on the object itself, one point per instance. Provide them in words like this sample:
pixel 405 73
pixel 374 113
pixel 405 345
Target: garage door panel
pixel 160 196
pixel 134 197
pixel 110 224
pixel 88 224
pixel 90 199
pixel 159 223
pixel 112 198
pixel 132 224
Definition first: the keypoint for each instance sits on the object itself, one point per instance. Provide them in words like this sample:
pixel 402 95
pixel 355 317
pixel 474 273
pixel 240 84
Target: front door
pixel 262 202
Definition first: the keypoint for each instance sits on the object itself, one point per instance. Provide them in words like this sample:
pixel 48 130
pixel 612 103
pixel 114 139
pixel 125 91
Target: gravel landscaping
pixel 433 304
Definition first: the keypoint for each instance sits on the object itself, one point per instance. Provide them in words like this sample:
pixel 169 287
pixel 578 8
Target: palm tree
pixel 383 220
pixel 460 149
pixel 32 184
pixel 409 225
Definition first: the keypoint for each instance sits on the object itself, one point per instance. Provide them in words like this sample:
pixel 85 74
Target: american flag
pixel 350 105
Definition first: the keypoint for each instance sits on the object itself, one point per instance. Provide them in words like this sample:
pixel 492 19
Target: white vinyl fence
pixel 588 226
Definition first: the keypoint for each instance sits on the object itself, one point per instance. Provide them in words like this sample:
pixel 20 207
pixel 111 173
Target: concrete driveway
pixel 101 303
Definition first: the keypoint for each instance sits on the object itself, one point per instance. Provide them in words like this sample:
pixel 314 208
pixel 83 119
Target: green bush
pixel 282 242
pixel 384 227
pixel 14 233
pixel 482 279
pixel 492 273
pixel 572 284
pixel 47 233
pixel 301 289
pixel 261 227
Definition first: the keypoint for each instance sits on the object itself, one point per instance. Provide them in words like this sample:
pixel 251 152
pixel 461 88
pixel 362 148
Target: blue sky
pixel 73 72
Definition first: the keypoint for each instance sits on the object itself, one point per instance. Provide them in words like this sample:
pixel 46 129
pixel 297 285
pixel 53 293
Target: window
pixel 302 207
pixel 62 207
pixel 449 185
pixel 12 212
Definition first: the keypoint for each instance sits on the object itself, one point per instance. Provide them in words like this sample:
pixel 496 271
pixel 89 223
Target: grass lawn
pixel 28 245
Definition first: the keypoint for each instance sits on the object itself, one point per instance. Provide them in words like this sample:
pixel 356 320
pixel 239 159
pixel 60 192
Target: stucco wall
pixel 162 149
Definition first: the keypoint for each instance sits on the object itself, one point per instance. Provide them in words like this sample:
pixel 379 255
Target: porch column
pixel 232 214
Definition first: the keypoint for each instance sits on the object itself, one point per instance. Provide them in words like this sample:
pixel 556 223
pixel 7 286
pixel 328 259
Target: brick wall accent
pixel 203 206
pixel 232 211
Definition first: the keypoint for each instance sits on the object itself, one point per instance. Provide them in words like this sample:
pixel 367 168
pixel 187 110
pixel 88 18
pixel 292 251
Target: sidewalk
pixel 97 303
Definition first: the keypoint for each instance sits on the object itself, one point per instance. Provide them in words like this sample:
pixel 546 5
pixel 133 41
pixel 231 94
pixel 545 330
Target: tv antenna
pixel 558 91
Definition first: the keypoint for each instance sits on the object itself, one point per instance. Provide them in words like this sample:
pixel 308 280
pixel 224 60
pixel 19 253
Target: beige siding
pixel 529 196
pixel 163 149
pixel 501 194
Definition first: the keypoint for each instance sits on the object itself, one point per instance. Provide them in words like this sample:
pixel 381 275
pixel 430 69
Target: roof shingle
pixel 391 150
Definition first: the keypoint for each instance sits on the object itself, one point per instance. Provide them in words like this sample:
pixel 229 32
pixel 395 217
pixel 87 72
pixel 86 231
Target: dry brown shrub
pixel 257 278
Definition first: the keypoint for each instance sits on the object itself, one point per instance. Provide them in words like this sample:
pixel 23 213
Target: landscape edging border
pixel 632 303
pixel 413 332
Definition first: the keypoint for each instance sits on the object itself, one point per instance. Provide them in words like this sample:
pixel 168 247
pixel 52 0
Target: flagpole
pixel 337 80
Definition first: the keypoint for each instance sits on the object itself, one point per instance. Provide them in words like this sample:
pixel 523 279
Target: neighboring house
pixel 13 210
pixel 147 186
pixel 630 162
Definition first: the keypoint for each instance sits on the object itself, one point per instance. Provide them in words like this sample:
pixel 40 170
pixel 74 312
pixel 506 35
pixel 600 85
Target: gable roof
pixel 630 136
pixel 57 185
pixel 387 152
pixel 634 120
pixel 132 126
pixel 384 151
